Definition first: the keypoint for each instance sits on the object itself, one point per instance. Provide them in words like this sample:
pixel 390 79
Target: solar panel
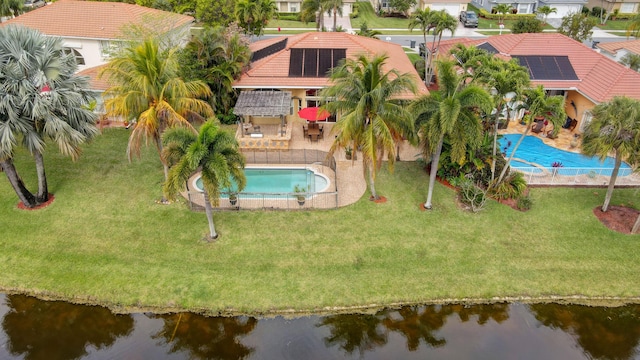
pixel 338 55
pixel 310 68
pixel 548 67
pixel 269 50
pixel 295 62
pixel 325 61
pixel 488 48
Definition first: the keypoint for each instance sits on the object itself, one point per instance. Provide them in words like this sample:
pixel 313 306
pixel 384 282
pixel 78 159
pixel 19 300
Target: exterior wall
pixel 583 105
pixel 89 49
pixel 612 5
pixel 524 7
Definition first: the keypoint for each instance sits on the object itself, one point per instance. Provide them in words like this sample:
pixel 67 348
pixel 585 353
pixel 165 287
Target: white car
pixel 33 4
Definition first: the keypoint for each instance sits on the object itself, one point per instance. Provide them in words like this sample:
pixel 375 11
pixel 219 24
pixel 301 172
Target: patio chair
pixel 537 127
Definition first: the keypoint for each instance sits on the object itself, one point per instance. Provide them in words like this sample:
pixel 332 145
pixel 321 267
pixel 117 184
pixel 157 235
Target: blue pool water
pixel 267 180
pixel 532 150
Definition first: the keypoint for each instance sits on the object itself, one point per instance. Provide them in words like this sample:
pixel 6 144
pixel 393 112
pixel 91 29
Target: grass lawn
pixel 291 24
pixel 368 15
pixel 105 240
pixel 613 24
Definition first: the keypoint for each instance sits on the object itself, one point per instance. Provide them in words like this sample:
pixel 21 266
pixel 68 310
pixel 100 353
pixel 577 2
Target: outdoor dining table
pixel 313 133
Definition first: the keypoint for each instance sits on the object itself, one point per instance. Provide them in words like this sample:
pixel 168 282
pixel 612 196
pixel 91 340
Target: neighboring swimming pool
pixel 279 180
pixel 534 156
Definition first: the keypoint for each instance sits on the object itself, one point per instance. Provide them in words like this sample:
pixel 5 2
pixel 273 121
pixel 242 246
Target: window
pixel 524 8
pixel 586 120
pixel 293 7
pixel 76 54
pixel 107 48
pixel 628 8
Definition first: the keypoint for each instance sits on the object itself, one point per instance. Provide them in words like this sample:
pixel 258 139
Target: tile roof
pixel 91 19
pixel 95 82
pixel 273 71
pixel 600 78
pixel 632 46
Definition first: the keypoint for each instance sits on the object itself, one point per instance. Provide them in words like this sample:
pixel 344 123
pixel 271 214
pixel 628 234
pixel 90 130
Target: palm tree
pixel 614 128
pixel 423 20
pixel 546 10
pixel 268 11
pixel 451 111
pixel 440 21
pixel 631 61
pixel 502 78
pixel 215 153
pixel 538 104
pixel 313 9
pixel 366 32
pixel 40 99
pixel 634 26
pixel 502 9
pixel 149 91
pixel 335 6
pixel 248 14
pixel 362 93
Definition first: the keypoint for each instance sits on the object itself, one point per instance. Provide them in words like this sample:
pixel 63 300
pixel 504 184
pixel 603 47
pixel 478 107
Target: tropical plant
pixel 40 99
pixel 451 111
pixel 365 31
pixel 614 128
pixel 472 59
pixel 441 21
pixel 545 11
pixel 217 57
pixel 148 92
pixel 538 104
pixel 577 26
pixel 422 19
pixel 526 25
pixel 402 6
pixel 631 61
pixel 212 151
pixel 313 10
pixel 254 15
pixel 634 26
pixel 10 8
pixel 473 195
pixel 335 7
pixel 372 120
pixel 513 187
pixel 502 9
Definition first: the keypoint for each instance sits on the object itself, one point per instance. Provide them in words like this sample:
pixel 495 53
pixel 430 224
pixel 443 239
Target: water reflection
pixel 58 330
pixel 34 329
pixel 603 333
pixel 206 338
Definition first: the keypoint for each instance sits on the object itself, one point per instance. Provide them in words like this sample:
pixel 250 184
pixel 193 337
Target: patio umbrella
pixel 313 113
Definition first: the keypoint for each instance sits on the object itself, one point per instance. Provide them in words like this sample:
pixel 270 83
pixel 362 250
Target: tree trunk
pixel 372 183
pixel 158 141
pixel 434 172
pixel 495 141
pixel 335 19
pixel 43 189
pixel 636 225
pixel 506 166
pixel 612 182
pixel 27 198
pixel 209 211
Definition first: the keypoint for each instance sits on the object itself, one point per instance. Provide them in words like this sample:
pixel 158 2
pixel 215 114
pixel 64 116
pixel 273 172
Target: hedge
pixel 489 16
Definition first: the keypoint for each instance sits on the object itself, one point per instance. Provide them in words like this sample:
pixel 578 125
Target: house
pixel 452 7
pixel 295 6
pixel 564 67
pixel 563 7
pixel 91 29
pixel 523 6
pixel 618 49
pixel 299 66
pixel 623 6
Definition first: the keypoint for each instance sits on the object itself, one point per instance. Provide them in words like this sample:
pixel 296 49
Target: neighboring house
pixel 617 50
pixel 564 67
pixel 295 6
pixel 523 6
pixel 563 7
pixel 624 6
pixel 299 66
pixel 91 29
pixel 452 7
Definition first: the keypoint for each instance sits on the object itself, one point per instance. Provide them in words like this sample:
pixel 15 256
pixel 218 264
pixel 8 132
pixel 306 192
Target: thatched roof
pixel 263 103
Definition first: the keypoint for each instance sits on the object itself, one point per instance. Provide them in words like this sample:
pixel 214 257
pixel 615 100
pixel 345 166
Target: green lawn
pixel 366 14
pixel 291 24
pixel 105 240
pixel 614 25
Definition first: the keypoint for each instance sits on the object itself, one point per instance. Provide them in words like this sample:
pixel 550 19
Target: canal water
pixel 34 329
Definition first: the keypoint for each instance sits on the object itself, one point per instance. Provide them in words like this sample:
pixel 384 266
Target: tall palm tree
pixel 422 19
pixel 40 99
pixel 248 14
pixel 451 111
pixel 502 9
pixel 634 26
pixel 335 6
pixel 632 61
pixel 614 128
pixel 503 78
pixel 313 9
pixel 538 104
pixel 546 10
pixel 441 21
pixel 370 119
pixel 215 153
pixel 149 92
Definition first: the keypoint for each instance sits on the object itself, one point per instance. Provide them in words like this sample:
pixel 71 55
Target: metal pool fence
pixel 319 161
pixel 576 176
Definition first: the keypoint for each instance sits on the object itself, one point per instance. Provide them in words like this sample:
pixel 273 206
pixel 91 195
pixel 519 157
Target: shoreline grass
pixel 105 240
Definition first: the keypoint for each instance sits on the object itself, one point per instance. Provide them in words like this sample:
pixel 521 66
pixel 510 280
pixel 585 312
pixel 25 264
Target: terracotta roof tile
pixel 91 19
pixel 273 71
pixel 632 46
pixel 96 82
pixel 601 78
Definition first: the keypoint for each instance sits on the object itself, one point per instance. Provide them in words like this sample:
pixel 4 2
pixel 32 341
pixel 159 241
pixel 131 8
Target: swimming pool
pixel 535 156
pixel 279 180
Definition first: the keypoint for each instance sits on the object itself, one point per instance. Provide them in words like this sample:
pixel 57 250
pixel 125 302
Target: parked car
pixel 469 19
pixel 33 4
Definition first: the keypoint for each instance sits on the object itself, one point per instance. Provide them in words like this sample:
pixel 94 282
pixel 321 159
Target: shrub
pixel 289 16
pixel 527 25
pixel 511 187
pixel 524 203
pixel 585 10
pixel 596 11
pixel 485 14
pixel 473 195
pixel 227 119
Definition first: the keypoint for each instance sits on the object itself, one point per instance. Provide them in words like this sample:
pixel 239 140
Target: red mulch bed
pixel 381 200
pixel 617 218
pixel 43 205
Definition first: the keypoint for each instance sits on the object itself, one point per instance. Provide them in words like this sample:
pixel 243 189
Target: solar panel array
pixel 488 48
pixel 269 50
pixel 548 67
pixel 306 62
